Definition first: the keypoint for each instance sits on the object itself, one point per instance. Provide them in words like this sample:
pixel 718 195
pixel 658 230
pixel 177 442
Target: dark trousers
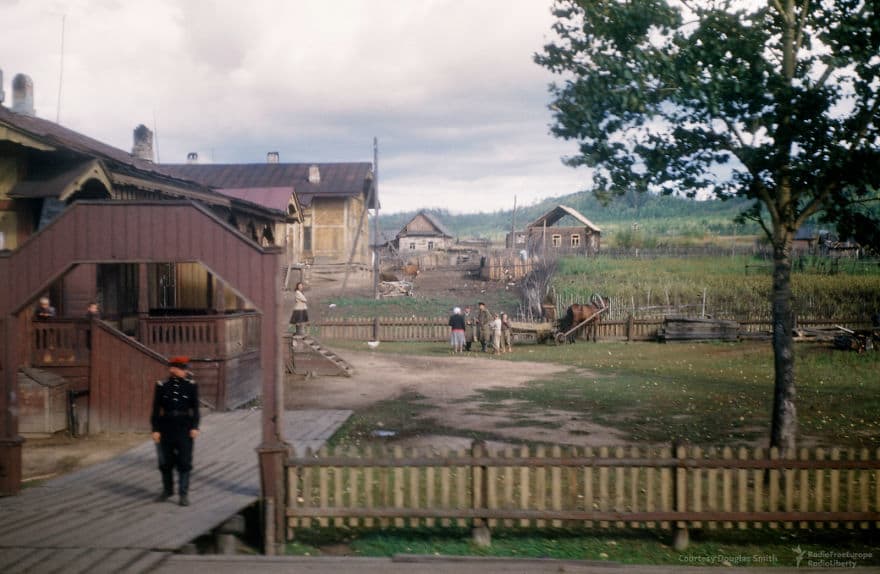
pixel 175 450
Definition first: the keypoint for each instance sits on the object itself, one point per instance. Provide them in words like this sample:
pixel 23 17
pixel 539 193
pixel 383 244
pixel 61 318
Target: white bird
pixel 372 344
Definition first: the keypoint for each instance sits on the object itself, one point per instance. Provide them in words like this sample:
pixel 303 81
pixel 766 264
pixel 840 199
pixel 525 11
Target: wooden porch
pixel 103 518
pixel 225 353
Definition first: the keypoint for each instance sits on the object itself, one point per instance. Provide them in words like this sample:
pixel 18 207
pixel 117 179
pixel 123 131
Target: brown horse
pixel 578 313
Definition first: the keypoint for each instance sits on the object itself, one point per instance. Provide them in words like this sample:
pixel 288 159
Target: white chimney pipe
pixel 314 174
pixel 23 95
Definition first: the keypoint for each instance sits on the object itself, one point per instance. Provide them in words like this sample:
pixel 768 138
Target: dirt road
pixel 449 387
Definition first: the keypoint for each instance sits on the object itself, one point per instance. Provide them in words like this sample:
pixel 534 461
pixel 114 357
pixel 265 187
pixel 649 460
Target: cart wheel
pixel 559 338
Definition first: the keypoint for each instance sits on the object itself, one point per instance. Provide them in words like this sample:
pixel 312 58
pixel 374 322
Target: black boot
pixel 184 488
pixel 167 486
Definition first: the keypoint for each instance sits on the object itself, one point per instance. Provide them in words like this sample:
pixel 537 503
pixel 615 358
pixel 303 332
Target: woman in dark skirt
pixel 300 309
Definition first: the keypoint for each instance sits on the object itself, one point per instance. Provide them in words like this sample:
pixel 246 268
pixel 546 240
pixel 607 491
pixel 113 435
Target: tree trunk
pixel 783 432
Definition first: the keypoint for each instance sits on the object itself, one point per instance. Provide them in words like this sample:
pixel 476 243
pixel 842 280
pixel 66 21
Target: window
pixel 307 238
pixel 557 240
pixel 430 246
pixel 412 246
pixel 575 240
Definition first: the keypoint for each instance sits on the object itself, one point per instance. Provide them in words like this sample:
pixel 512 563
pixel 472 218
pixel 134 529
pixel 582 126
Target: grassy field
pixel 707 548
pixel 707 394
pixel 735 287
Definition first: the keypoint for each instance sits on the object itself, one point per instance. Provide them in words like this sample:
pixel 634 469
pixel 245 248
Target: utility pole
pixel 513 226
pixel 375 196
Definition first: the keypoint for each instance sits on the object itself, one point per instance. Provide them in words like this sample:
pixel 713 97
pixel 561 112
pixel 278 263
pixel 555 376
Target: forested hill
pixel 658 213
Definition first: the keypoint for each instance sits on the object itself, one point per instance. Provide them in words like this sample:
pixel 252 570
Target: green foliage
pixel 755 548
pixel 736 287
pixel 777 104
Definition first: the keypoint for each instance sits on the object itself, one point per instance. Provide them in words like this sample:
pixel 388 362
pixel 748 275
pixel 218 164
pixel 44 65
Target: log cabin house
pixel 423 233
pixel 176 267
pixel 545 236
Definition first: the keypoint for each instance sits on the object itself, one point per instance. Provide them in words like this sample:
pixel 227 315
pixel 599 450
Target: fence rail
pixel 573 486
pixel 436 329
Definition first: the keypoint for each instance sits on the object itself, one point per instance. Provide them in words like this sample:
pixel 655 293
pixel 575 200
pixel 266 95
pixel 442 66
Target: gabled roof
pixel 336 179
pixel 49 136
pixel 435 223
pixel 59 180
pixel 558 213
pixel 274 198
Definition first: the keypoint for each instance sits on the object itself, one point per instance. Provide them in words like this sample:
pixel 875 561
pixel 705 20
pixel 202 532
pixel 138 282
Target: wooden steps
pixel 312 358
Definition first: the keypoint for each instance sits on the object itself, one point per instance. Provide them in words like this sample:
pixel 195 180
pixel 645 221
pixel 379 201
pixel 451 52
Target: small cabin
pixel 424 232
pixel 560 231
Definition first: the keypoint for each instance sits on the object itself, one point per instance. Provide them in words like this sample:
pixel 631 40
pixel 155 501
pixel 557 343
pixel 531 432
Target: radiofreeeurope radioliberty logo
pixel 829 558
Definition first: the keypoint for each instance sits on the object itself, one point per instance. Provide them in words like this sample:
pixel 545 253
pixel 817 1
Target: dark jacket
pixel 175 405
pixel 456 321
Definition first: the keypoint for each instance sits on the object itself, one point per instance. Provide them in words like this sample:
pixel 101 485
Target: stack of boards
pixel 697 329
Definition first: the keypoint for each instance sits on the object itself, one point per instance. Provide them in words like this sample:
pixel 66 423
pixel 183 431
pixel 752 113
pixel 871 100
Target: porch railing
pixel 60 342
pixel 211 337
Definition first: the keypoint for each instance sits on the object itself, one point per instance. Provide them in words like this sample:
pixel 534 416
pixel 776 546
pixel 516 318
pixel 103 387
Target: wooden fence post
pixel 629 327
pixel 375 328
pixel 680 537
pixel 479 483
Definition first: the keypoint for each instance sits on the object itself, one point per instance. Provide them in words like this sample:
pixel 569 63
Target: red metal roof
pixel 277 198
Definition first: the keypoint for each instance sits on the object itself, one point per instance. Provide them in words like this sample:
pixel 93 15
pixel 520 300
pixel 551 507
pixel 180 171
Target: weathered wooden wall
pixel 121 390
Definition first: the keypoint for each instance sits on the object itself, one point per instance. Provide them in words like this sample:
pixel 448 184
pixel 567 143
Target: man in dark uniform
pixel 175 423
pixel 484 322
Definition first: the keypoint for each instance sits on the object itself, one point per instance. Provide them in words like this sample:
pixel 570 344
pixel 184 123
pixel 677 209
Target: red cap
pixel 179 361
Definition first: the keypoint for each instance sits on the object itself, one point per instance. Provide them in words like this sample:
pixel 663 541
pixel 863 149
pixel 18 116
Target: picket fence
pixel 436 329
pixel 583 487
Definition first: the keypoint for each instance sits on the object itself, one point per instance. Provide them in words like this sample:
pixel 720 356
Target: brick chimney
pixel 192 157
pixel 143 143
pixel 314 174
pixel 23 95
pixel 273 157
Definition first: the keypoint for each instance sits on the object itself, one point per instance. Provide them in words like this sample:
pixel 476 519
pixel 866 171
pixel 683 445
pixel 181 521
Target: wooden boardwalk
pixel 103 518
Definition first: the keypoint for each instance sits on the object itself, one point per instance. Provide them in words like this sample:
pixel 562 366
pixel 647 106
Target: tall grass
pixel 733 287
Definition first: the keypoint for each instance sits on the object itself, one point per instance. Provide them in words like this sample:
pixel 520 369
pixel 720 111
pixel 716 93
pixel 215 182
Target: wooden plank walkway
pixel 103 518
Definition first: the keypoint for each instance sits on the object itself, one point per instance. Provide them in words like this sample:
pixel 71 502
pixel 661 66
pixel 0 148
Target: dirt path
pixel 447 383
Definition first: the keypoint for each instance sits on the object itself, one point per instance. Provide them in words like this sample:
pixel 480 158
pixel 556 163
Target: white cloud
pixel 448 86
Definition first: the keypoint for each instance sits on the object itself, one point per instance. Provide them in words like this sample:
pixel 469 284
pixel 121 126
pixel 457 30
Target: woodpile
pixel 697 329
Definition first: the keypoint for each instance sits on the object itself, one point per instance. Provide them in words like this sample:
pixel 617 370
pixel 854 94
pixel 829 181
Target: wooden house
pixel 423 233
pixel 168 260
pixel 560 231
pixel 335 199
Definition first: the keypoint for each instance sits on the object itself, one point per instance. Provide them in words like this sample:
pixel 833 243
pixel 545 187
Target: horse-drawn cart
pixel 576 317
pixel 540 332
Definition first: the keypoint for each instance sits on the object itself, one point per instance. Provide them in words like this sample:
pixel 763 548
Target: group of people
pixel 491 330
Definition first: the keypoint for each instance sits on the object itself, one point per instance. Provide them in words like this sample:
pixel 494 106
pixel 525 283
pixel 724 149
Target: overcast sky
pixel 448 86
